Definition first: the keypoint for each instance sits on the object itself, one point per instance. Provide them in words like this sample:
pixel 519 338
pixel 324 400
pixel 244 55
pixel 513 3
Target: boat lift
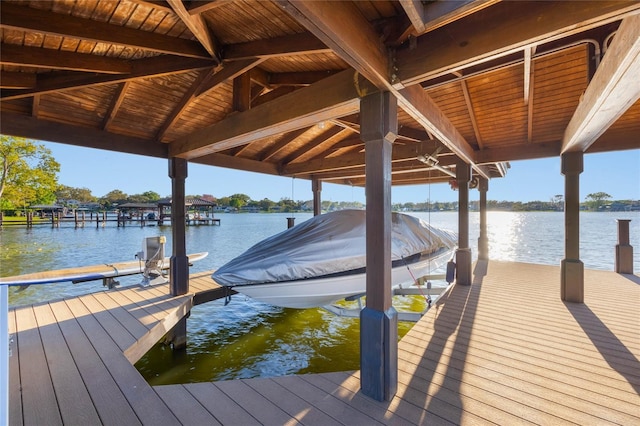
pixel 399 291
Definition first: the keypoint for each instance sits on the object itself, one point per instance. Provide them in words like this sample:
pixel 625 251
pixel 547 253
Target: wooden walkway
pixel 505 350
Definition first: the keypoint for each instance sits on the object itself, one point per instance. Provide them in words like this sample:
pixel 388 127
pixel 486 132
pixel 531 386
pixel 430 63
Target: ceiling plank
pixel 501 30
pixel 33 128
pixel 295 44
pixel 614 87
pixel 343 28
pixel 141 68
pixel 59 59
pixel 17 80
pixel 332 97
pixel 282 143
pixel 47 22
pixel 198 27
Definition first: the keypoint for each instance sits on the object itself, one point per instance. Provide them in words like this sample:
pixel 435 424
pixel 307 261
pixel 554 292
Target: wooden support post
pixel 177 336
pixel 463 254
pixel 316 188
pixel 378 320
pixel 483 240
pixel 571 267
pixel 179 262
pixel 624 251
pixel 1 218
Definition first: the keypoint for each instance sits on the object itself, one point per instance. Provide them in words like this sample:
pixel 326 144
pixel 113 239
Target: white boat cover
pixel 327 244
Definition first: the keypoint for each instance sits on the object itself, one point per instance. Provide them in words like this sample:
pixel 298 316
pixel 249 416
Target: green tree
pixel 239 200
pixel 113 198
pixel 83 195
pixel 28 173
pixel 596 200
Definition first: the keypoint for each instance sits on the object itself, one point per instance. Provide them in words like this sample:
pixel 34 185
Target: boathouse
pixel 365 93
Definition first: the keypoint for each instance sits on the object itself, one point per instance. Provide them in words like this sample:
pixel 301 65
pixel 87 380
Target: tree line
pixel 29 176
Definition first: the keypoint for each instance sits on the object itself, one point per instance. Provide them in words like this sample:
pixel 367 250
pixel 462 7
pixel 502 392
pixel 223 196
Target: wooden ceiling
pixel 274 86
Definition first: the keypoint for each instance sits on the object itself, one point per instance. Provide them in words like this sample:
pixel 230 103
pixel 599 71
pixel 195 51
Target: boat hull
pixel 322 291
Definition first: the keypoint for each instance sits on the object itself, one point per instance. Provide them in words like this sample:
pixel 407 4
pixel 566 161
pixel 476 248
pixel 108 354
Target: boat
pixel 323 259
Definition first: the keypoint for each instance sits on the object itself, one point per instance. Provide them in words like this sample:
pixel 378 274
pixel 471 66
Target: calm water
pixel 250 339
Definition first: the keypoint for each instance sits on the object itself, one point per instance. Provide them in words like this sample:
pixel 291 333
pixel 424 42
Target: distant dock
pixel 100 219
pixel 504 350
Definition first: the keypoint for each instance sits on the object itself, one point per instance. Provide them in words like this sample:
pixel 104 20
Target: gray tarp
pixel 327 244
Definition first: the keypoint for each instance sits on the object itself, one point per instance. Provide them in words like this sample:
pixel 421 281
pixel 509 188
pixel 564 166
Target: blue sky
pixel 616 173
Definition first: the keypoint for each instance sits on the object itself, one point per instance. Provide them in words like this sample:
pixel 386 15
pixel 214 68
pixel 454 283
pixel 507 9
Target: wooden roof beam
pixel 505 28
pixel 17 80
pixel 198 27
pixel 42 21
pixel 33 128
pixel 613 89
pixel 141 68
pixel 329 98
pixel 342 27
pixel 37 57
pixel 296 44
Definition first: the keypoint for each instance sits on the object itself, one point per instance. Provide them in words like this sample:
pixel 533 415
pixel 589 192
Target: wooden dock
pixel 505 350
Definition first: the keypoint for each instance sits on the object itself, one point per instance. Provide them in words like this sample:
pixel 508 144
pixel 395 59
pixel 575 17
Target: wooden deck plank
pixel 148 406
pixel 505 350
pixel 291 403
pixel 254 403
pixel 185 406
pixel 114 328
pixel 71 394
pixel 108 399
pixel 395 411
pixel 225 409
pixel 39 403
pixel 123 316
pixel 329 404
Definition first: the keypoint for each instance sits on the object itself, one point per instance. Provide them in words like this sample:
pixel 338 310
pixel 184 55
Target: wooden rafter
pixel 357 159
pixel 282 143
pixel 177 111
pixel 141 68
pixel 415 11
pixel 472 114
pixel 613 89
pixel 46 22
pixel 17 80
pixel 313 147
pixel 62 60
pixel 112 111
pixel 229 71
pixel 198 7
pixel 198 27
pixel 298 78
pixel 296 44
